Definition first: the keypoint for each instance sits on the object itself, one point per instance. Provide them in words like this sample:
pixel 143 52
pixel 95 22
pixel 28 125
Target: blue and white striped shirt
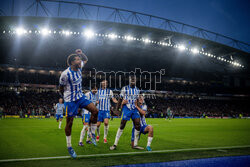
pixel 72 82
pixel 142 117
pixel 104 96
pixel 92 97
pixel 131 95
pixel 59 108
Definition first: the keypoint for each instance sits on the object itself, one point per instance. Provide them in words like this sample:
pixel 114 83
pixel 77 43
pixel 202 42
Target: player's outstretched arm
pixel 83 56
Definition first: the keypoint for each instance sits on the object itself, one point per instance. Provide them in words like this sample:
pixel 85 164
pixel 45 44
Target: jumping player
pixel 129 96
pixel 91 95
pixel 59 107
pixel 71 89
pixel 142 108
pixel 104 95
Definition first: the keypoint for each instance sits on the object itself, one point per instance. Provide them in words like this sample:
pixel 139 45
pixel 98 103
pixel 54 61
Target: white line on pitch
pixel 126 153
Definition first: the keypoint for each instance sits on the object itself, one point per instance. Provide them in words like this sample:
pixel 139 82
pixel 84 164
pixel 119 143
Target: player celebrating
pixel 71 89
pixel 59 107
pixel 142 108
pixel 129 95
pixel 104 96
pixel 91 95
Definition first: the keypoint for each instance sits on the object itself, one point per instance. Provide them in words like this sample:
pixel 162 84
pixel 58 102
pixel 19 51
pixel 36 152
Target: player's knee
pixel 137 126
pixel 150 128
pixel 122 126
pixel 95 112
pixel 93 119
pixel 106 123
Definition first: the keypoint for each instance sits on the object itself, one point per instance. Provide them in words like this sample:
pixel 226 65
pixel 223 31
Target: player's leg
pixel 137 128
pixel 118 134
pixel 126 115
pixel 106 127
pixel 99 121
pixel 150 131
pixel 68 128
pixel 60 121
pixel 93 120
pixel 133 137
pixel 88 135
pixel 136 120
pixel 71 111
pixel 98 129
pixel 82 134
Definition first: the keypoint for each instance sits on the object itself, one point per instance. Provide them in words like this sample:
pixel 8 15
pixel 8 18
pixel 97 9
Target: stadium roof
pixel 128 25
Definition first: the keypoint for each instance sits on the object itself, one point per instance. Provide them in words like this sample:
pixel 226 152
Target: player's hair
pixel 71 58
pixel 93 86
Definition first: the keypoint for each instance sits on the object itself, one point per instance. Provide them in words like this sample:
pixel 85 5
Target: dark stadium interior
pixel 169 80
pixel 184 73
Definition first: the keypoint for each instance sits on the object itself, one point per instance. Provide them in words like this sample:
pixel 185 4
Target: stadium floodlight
pixel 181 47
pixel 45 32
pixel 146 40
pixel 112 36
pixel 194 50
pixel 20 31
pixel 67 33
pixel 88 33
pixel 129 38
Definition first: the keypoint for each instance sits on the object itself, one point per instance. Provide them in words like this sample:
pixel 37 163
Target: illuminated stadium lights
pixel 181 47
pixel 195 50
pixel 146 40
pixel 88 33
pixel 20 31
pixel 67 33
pixel 112 36
pixel 129 38
pixel 45 32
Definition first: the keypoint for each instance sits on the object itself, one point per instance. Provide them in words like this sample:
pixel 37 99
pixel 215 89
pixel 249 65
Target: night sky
pixel 228 17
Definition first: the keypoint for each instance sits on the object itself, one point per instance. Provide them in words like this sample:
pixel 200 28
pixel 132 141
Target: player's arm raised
pixel 83 56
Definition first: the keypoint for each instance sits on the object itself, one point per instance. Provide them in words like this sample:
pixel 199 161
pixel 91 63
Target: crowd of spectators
pixel 28 103
pixel 42 103
pixel 196 107
pixel 173 86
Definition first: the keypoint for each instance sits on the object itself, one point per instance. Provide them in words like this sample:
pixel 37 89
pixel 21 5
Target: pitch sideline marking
pixel 126 153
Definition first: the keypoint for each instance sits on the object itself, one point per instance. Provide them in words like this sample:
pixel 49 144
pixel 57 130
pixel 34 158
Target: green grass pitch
pixel 33 138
